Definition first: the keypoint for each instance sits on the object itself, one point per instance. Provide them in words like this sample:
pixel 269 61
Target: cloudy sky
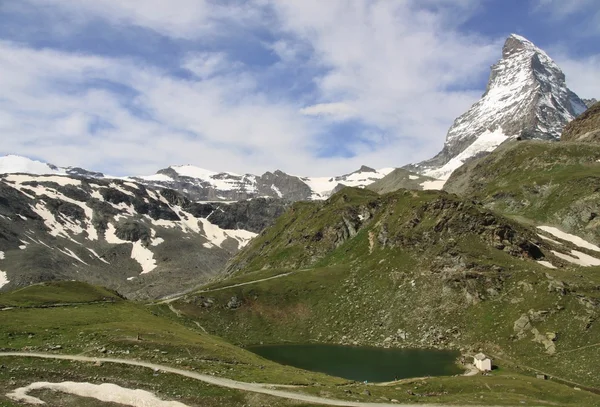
pixel 311 87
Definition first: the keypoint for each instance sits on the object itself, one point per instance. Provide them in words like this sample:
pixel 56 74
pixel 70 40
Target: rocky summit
pixel 526 97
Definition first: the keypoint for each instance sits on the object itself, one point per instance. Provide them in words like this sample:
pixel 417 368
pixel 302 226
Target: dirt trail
pixel 178 296
pixel 218 381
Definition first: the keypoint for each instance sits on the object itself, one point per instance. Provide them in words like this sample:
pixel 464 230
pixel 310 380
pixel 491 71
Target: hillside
pixel 403 179
pixel 539 182
pixel 410 269
pixel 143 242
pixel 584 128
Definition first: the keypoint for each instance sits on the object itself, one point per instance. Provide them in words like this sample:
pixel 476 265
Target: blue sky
pixel 310 87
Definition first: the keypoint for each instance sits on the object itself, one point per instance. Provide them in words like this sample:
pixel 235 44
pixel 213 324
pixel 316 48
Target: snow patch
pixel 111 237
pixel 1 255
pixel 581 259
pixel 3 279
pixel 437 185
pixel 546 264
pixel 576 240
pixel 105 392
pixel 550 240
pixel 144 256
pixel 17 164
pixel 119 188
pixel 69 253
pixel 156 241
pixel 486 142
pixel 96 255
pixel 413 177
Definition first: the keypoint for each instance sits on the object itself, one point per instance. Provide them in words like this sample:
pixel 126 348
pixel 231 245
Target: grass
pixel 58 292
pixel 543 182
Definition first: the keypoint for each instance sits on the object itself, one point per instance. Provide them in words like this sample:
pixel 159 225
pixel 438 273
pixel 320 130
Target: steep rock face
pixel 585 128
pixel 141 241
pixel 526 97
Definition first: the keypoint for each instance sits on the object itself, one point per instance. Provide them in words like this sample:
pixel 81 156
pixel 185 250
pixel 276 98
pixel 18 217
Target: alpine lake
pixel 363 363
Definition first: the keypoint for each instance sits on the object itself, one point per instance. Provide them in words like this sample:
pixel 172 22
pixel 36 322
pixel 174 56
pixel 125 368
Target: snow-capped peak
pixel 11 164
pixel 526 97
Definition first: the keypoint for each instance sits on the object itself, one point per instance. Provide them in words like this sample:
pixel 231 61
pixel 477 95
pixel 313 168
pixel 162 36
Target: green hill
pixel 538 182
pixel 410 269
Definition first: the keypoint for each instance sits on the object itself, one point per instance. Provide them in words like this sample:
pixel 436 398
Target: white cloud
pixel 561 9
pixel 174 18
pixel 582 75
pixel 337 110
pixel 206 64
pixel 393 62
pixel 403 69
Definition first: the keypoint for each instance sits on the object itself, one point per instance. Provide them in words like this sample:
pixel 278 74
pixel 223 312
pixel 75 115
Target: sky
pixel 310 87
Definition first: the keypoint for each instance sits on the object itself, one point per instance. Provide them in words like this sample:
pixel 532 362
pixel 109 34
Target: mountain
pixel 401 178
pixel 589 102
pixel 142 241
pixel 412 269
pixel 585 128
pixel 526 97
pixel 205 185
pixel 537 182
pixel 199 184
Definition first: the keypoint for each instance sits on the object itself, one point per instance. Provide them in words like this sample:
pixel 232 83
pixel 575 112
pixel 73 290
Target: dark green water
pixel 363 363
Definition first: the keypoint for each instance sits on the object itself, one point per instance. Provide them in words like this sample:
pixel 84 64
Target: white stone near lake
pixel 482 362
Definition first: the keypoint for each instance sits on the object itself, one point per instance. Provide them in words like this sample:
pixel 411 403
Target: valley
pixel 192 287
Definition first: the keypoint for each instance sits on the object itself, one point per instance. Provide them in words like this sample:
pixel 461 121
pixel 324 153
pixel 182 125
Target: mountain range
pixel 157 235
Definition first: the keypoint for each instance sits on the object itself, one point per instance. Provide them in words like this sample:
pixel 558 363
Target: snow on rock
pixel 1 255
pixel 581 259
pixel 546 264
pixel 17 164
pixel 111 237
pixel 105 392
pixel 97 256
pixel 139 252
pixel 144 256
pixel 549 240
pixel 576 240
pixel 119 188
pixel 437 184
pixel 60 180
pixel 486 142
pixel 70 253
pixel 526 96
pixel 216 236
pixel 156 241
pixel 39 190
pixel 3 279
pixel 323 186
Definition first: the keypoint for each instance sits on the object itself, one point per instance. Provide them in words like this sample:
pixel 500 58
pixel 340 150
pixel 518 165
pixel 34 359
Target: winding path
pixel 218 381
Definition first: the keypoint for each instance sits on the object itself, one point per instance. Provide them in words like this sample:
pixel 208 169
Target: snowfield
pixel 576 240
pixel 106 392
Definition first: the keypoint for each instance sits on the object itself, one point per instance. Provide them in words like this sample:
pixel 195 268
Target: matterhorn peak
pixel 526 97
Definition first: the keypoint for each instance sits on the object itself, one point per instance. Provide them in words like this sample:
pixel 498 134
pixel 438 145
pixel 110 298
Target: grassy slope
pixel 441 282
pixel 84 328
pixel 61 292
pixel 542 182
pixel 87 328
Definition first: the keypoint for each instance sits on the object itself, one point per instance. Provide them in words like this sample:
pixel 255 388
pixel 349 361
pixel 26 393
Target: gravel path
pixel 228 383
